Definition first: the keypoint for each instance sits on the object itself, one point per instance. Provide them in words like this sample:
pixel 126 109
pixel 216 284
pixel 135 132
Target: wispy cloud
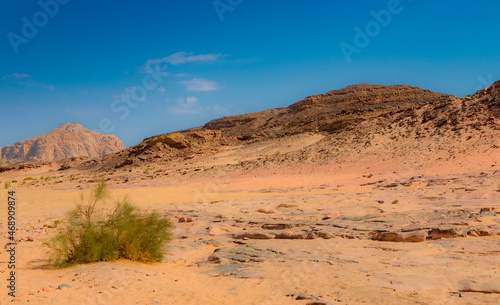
pixel 183 57
pixel 26 80
pixel 200 84
pixel 16 76
pixel 189 105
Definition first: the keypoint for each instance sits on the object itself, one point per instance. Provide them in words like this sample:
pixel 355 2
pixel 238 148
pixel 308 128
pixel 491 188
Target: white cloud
pixel 161 90
pixel 22 79
pixel 16 76
pixel 188 105
pixel 191 105
pixel 182 58
pixel 199 84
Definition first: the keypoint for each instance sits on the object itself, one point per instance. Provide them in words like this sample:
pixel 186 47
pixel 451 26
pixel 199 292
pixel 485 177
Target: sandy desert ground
pixel 303 234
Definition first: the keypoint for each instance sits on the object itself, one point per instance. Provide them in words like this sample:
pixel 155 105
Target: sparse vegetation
pixel 28 179
pixel 147 170
pixel 277 153
pixel 91 235
pixel 6 185
pixel 14 181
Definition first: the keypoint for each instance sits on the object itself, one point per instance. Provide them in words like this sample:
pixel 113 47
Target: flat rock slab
pixel 476 286
pixel 234 270
pixel 241 254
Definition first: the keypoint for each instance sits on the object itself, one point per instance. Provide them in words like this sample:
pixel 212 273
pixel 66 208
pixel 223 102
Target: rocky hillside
pixel 66 141
pixel 328 112
pixel 357 120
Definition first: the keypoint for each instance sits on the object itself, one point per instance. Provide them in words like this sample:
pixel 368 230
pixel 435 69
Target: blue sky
pixel 87 61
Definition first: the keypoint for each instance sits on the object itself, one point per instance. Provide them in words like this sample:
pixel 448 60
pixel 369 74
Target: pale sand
pixel 354 271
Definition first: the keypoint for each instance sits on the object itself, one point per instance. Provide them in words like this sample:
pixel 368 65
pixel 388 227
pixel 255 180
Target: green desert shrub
pixel 6 185
pixel 28 179
pixel 14 181
pixel 92 235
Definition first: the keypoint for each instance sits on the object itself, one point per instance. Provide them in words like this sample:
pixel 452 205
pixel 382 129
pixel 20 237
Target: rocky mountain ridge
pixel 353 120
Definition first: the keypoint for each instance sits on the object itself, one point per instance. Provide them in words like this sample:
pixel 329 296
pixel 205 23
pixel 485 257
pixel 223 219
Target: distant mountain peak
pixel 69 127
pixel 66 141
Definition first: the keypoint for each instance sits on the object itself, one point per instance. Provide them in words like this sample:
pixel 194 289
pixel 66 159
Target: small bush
pixel 6 185
pixel 277 153
pixel 28 179
pixel 148 169
pixel 14 181
pixel 91 235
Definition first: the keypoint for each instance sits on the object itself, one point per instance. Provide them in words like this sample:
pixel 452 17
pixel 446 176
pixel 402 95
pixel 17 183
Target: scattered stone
pixel 280 226
pixel 186 219
pixel 446 232
pixel 395 202
pixel 391 185
pixel 287 205
pixel 47 289
pixel 331 215
pixel 304 296
pixel 413 236
pixel 60 287
pixel 253 235
pixel 385 236
pixel 266 210
pixel 437 182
